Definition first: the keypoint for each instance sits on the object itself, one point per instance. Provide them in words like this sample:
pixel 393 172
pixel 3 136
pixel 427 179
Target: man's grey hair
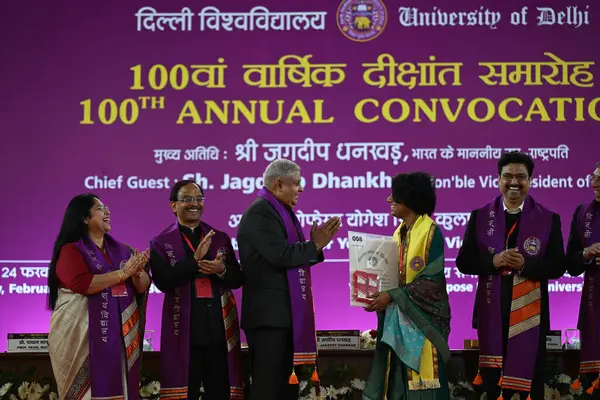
pixel 279 169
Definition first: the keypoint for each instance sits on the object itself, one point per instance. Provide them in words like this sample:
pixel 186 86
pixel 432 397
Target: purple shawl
pixel 534 231
pixel 113 325
pixel 299 281
pixel 588 227
pixel 175 328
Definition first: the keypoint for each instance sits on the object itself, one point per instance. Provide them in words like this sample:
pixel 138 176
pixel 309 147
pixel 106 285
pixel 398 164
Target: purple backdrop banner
pixel 125 98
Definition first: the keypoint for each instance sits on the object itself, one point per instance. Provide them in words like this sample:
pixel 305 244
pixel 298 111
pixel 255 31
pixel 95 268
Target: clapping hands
pixel 204 246
pixel 324 234
pixel 510 258
pixel 210 267
pixel 136 263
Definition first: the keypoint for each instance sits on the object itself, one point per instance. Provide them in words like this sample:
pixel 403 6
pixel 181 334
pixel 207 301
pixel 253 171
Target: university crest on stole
pixel 417 263
pixel 532 246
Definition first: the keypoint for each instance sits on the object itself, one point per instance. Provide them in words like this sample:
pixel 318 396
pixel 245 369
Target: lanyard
pixel 510 232
pixel 400 255
pixel 105 254
pixel 401 252
pixel 190 243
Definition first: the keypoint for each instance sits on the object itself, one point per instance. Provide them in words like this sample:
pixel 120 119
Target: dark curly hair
pixel 516 157
pixel 415 190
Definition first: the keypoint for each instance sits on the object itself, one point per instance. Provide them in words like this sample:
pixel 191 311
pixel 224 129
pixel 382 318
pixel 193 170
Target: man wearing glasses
pixel 196 268
pixel 583 255
pixel 514 245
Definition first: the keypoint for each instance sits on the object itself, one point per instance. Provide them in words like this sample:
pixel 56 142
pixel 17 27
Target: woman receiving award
pixel 414 318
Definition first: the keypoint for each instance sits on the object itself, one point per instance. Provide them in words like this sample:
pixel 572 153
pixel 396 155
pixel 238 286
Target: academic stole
pixel 419 232
pixel 130 318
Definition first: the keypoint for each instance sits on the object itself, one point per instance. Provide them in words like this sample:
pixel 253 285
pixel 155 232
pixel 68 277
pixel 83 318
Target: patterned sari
pixel 412 333
pixel 95 341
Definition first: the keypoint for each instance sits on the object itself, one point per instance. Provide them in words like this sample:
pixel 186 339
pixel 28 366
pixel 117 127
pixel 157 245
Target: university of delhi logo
pixel 417 264
pixel 361 20
pixel 532 246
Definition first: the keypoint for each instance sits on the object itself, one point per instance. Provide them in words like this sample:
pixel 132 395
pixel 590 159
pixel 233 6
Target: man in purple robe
pixel 583 256
pixel 277 303
pixel 514 245
pixel 196 267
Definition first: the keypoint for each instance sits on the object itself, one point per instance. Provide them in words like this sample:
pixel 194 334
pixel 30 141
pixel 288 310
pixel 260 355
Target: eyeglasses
pixel 520 177
pixel 102 208
pixel 191 200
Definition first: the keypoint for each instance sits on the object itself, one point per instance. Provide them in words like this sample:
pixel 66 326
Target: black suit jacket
pixel 576 263
pixel 472 260
pixel 266 256
pixel 206 319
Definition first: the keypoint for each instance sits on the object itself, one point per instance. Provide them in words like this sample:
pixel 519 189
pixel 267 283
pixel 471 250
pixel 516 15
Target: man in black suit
pixel 583 255
pixel 269 254
pixel 515 246
pixel 195 266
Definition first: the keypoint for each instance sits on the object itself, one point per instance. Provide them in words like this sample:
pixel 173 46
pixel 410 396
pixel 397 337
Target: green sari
pixel 412 333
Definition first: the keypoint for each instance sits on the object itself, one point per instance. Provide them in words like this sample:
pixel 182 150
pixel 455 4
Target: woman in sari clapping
pixel 98 289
